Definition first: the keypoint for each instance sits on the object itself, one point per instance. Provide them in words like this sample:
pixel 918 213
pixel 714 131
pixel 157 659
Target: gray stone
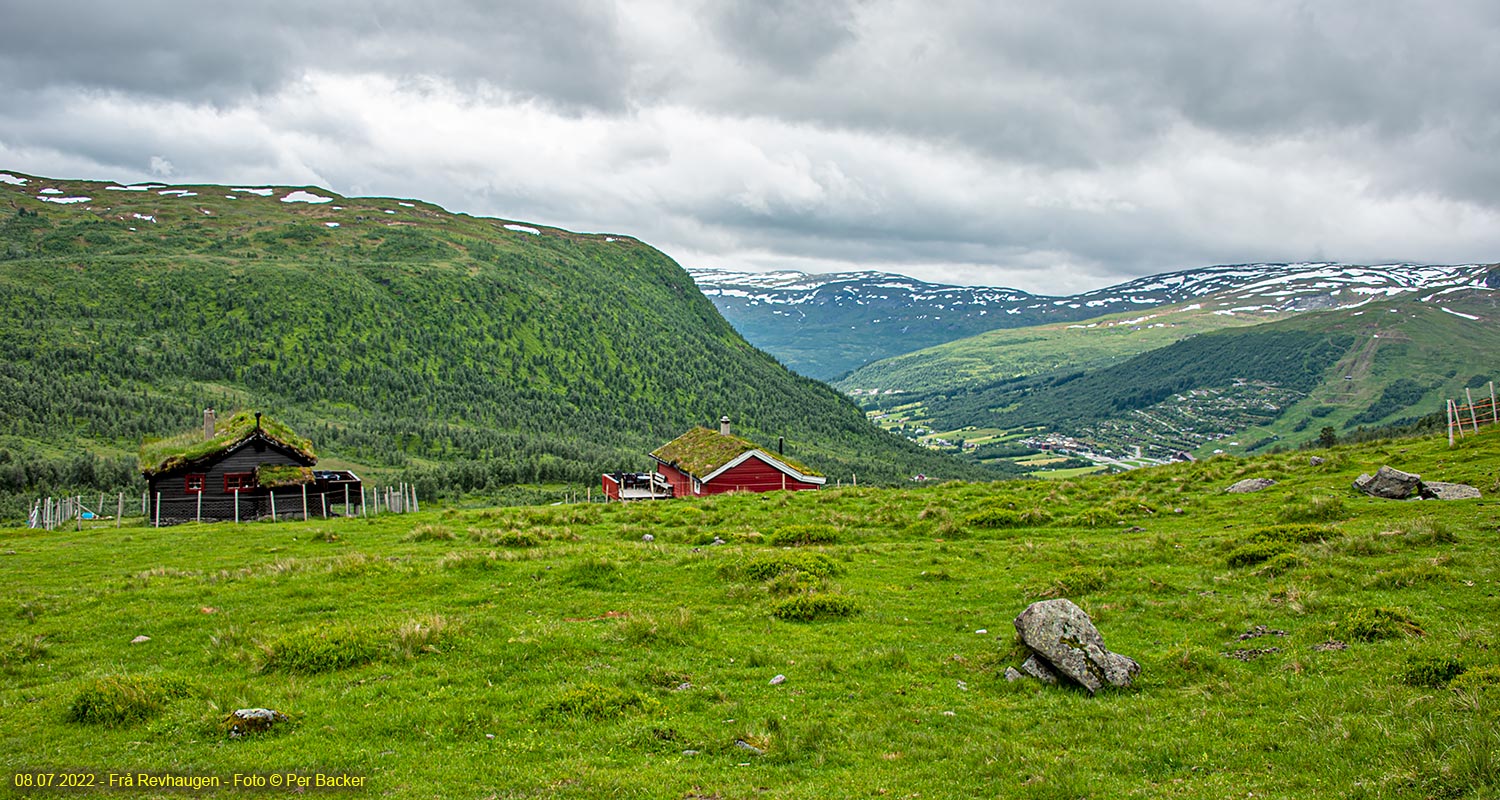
pixel 1062 634
pixel 1316 461
pixel 1439 490
pixel 646 537
pixel 778 680
pixel 1012 674
pixel 744 745
pixel 717 540
pixel 1037 668
pixel 1251 485
pixel 1391 484
pixel 142 639
pixel 252 720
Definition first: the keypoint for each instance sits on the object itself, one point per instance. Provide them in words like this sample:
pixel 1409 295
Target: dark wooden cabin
pixel 248 468
pixel 704 462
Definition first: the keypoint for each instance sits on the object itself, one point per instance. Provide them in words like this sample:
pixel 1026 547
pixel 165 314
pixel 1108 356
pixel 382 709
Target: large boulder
pixel 1439 490
pixel 1392 484
pixel 1251 485
pixel 1063 636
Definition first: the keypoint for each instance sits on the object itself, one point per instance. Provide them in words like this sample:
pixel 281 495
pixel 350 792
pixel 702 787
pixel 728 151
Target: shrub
pixel 1257 552
pixel 1434 672
pixel 122 699
pixel 805 535
pixel 1374 624
pixel 809 607
pixel 320 649
pixel 765 568
pixel 593 702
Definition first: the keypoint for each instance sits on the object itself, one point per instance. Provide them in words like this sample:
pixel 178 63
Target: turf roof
pixel 700 451
pixel 164 455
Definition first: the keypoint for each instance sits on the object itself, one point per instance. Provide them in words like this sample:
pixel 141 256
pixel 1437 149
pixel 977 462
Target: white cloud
pixel 1053 148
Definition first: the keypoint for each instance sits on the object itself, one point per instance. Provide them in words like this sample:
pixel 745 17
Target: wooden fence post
pixel 324 497
pixel 364 510
pixel 158 509
pixel 273 505
pixel 236 505
pixel 346 499
pixel 121 512
pixel 304 502
pixel 1472 418
pixel 199 514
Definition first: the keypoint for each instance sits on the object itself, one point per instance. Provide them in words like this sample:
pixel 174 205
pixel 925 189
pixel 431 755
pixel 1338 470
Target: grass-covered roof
pixel 700 451
pixel 163 455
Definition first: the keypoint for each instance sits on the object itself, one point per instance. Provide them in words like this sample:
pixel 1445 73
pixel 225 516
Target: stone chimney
pixel 724 425
pixel 208 424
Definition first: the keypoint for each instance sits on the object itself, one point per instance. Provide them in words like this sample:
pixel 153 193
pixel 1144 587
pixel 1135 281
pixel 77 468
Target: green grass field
pixel 551 652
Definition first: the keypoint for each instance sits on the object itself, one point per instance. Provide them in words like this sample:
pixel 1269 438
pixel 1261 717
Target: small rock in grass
pixel 1331 644
pixel 717 540
pixel 963 687
pixel 1391 484
pixel 982 631
pixel 142 639
pixel 252 720
pixel 1039 669
pixel 1251 485
pixel 744 745
pixel 1441 490
pixel 690 752
pixel 778 680
pixel 1316 461
pixel 682 687
pixel 1011 675
pixel 647 537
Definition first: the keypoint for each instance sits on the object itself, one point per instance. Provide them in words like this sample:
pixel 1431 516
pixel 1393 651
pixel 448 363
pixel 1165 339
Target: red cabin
pixel 703 462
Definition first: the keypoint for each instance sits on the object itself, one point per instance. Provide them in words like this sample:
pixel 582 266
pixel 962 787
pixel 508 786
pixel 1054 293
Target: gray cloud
pixel 1052 146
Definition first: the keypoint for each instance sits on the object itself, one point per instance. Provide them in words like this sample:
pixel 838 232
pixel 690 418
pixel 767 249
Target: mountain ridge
pixel 855 315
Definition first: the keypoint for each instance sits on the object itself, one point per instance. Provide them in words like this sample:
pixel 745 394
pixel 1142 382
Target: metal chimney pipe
pixel 724 425
pixel 781 445
pixel 208 424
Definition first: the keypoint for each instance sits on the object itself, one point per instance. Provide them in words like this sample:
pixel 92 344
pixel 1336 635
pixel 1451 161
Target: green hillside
pixel 1233 390
pixel 1019 352
pixel 464 354
pixel 1304 642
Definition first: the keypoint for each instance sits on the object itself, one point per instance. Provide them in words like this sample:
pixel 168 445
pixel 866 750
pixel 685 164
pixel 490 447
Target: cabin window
pixel 193 484
pixel 238 481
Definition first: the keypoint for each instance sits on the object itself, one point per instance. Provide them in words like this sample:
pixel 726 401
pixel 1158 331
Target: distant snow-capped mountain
pixel 824 325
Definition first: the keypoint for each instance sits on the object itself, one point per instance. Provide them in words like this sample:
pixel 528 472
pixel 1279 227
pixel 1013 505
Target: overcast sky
pixel 1051 146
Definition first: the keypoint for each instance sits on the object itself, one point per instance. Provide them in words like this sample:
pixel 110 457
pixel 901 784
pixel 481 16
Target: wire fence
pixel 1465 419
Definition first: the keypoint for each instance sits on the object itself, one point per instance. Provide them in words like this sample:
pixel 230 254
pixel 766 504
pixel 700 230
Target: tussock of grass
pixel 679 628
pixel 321 649
pixel 430 533
pixel 1375 624
pixel 1076 581
pixel 421 635
pixel 794 535
pixel 594 702
pixel 1428 531
pixel 124 699
pixel 1322 508
pixel 764 568
pixel 1249 555
pixel 809 607
pixel 1434 672
pixel 595 573
pixel 23 649
pixel 1278 565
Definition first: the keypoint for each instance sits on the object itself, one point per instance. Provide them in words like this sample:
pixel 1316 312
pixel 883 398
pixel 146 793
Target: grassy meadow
pixel 1306 641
